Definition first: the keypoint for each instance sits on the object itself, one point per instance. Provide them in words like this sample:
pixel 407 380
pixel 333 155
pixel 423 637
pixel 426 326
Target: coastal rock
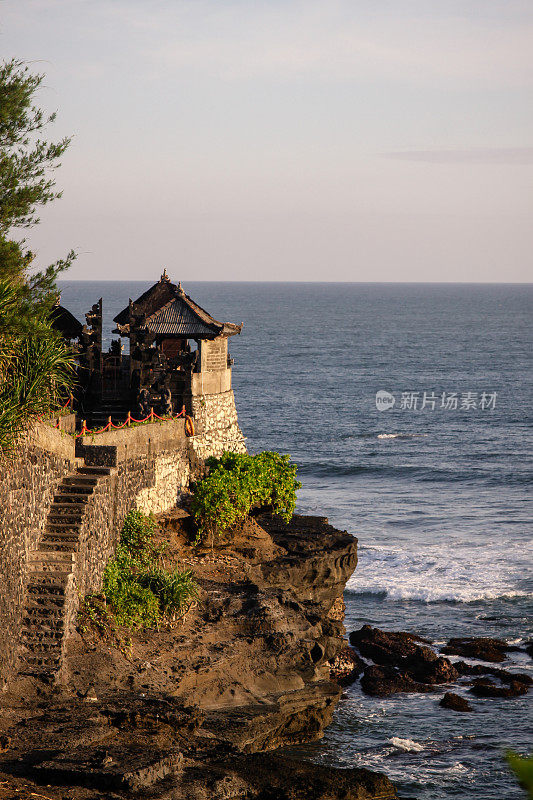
pixel 400 649
pixel 188 712
pixel 483 648
pixel 386 648
pixel 382 681
pixel 503 674
pixel 433 669
pixel 455 702
pixel 483 687
pixel 346 667
pixel 267 778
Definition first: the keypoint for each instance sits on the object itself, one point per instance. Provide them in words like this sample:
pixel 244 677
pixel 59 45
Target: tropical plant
pixel 137 590
pixel 523 770
pixel 236 483
pixel 36 369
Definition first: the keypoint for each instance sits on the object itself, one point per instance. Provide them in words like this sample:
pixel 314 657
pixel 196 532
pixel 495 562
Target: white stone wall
pixel 172 473
pixel 216 426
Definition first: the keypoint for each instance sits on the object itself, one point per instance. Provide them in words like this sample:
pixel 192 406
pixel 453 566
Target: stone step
pixel 48 562
pixel 69 502
pixel 94 470
pixel 61 527
pixel 44 590
pixel 64 546
pixel 44 659
pixel 66 488
pixel 37 557
pixel 72 520
pixel 58 519
pixel 80 480
pixel 48 640
pixel 57 578
pixel 70 499
pixel 46 600
pixel 40 615
pixel 51 571
pixel 44 673
pixel 40 647
pixel 35 624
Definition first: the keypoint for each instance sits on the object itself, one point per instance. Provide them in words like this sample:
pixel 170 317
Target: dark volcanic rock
pixel 417 662
pixel 477 647
pixel 187 714
pixel 275 777
pixel 383 681
pixel 346 667
pixel 455 702
pixel 387 648
pixel 503 674
pixel 483 687
pixel 430 670
pixel 268 775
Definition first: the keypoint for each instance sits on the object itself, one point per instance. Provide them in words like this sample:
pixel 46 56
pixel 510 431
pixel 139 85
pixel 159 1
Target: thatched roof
pixel 166 310
pixel 65 322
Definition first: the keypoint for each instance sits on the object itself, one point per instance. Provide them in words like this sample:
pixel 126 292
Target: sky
pixel 316 140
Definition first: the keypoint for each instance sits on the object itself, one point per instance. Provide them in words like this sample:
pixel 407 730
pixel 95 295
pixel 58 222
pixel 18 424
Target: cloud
pixel 327 41
pixel 474 155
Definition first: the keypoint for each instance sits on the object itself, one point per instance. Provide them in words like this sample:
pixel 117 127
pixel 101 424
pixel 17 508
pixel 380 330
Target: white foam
pixel 407 745
pixel 400 435
pixel 440 572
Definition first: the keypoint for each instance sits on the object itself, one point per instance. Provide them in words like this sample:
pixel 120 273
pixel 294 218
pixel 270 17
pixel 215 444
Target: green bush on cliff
pixel 238 482
pixel 138 591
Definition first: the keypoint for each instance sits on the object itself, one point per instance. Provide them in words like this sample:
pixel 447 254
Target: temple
pixel 178 354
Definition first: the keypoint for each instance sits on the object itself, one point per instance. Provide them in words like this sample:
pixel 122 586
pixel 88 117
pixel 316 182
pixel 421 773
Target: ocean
pixel 434 484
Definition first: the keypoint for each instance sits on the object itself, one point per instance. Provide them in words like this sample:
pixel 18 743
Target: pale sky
pixel 347 140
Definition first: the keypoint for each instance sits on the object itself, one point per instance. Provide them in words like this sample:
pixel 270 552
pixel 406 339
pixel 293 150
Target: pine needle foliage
pixel 25 159
pixel 138 591
pixel 236 483
pixel 36 367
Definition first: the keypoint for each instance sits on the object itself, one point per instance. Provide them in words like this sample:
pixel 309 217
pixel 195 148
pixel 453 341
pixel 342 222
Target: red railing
pixel 152 416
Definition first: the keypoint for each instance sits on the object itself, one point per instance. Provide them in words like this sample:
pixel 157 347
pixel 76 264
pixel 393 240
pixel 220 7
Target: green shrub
pixel 138 590
pixel 523 770
pixel 238 482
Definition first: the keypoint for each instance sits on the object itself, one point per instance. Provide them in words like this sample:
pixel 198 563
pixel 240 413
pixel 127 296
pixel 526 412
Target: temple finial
pixel 164 276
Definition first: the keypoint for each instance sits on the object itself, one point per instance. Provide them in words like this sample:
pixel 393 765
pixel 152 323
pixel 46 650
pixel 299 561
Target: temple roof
pixel 166 310
pixel 65 322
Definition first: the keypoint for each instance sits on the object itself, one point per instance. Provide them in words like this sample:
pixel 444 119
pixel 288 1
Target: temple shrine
pixel 178 353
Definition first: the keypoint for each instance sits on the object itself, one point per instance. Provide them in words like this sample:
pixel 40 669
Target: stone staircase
pixel 115 407
pixel 51 574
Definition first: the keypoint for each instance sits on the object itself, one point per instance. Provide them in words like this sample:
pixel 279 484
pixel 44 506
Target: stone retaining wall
pixel 150 465
pixel 27 489
pixel 216 425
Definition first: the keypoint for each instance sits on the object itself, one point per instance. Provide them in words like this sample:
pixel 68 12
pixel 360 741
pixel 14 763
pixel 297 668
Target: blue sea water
pixel 438 497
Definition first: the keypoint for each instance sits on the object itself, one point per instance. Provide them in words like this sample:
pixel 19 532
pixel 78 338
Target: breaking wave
pixel 441 573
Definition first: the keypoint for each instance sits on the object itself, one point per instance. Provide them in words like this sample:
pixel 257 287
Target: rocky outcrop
pixel 406 664
pixel 190 711
pixel 484 687
pixel 455 702
pixel 478 647
pixel 346 667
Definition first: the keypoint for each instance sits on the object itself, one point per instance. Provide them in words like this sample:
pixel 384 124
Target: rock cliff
pixel 191 711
